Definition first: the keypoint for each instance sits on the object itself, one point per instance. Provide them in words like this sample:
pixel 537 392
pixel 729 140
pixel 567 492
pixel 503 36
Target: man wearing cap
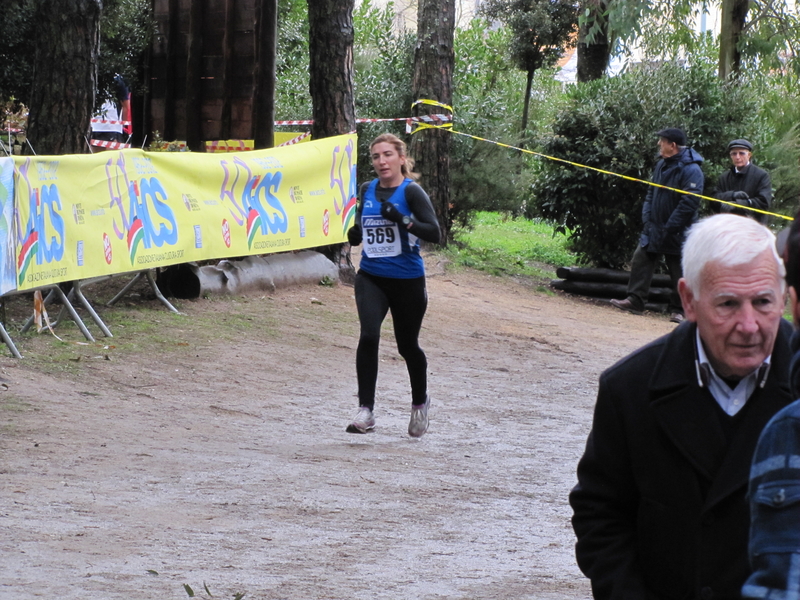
pixel 743 184
pixel 660 509
pixel 666 216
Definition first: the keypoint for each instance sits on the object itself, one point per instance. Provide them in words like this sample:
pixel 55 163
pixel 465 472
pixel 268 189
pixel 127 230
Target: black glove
pixel 391 212
pixel 354 235
pixel 741 198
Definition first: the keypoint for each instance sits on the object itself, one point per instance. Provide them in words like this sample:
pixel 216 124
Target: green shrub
pixel 610 124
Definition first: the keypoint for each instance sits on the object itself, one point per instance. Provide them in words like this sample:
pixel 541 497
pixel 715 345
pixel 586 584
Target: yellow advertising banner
pixel 82 216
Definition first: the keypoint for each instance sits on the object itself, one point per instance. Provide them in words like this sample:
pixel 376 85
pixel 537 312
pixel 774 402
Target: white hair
pixel 728 240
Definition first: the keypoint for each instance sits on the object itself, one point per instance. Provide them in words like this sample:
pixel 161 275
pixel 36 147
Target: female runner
pixel 393 215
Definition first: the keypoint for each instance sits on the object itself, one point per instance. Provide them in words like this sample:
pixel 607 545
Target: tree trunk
pixel 228 50
pixel 173 49
pixel 433 80
pixel 734 14
pixel 65 75
pixel 607 276
pixel 194 72
pixel 330 47
pixel 526 107
pixel 331 67
pixel 593 56
pixel 264 76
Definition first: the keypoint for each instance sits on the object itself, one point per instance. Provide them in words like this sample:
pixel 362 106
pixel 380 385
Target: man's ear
pixel 687 297
pixel 795 307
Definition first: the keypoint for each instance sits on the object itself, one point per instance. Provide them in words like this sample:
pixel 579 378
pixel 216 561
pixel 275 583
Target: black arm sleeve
pixel 425 225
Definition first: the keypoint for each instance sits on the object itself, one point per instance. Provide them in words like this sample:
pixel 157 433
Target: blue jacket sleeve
pixel 691 180
pixel 775 509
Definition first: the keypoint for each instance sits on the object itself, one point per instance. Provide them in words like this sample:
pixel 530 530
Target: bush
pixel 610 124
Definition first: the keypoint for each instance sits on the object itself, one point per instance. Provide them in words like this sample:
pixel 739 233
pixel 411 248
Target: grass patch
pixel 502 245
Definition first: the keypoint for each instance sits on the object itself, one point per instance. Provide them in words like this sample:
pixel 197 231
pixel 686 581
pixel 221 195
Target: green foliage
pixel 384 66
pixel 292 96
pixel 127 28
pixel 159 144
pixel 610 124
pixel 503 245
pixel 771 39
pixel 17 49
pixel 487 97
pixel 666 30
pixel 777 149
pixel 541 30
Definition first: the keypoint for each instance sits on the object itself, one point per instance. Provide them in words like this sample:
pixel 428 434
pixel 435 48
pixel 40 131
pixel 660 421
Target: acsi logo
pixel 143 216
pixel 253 199
pixel 158 220
pixel 45 219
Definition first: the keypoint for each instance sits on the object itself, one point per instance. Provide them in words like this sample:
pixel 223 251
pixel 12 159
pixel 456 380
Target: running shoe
pixel 418 424
pixel 363 421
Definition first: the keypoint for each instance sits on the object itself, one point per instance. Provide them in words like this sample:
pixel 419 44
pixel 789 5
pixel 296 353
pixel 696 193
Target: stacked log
pixel 606 284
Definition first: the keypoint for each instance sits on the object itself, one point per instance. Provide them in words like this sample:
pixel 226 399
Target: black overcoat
pixel 751 180
pixel 660 508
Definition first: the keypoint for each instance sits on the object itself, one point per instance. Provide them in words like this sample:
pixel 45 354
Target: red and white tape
pixel 299 138
pixel 304 122
pixel 438 119
pixel 103 121
pixel 109 145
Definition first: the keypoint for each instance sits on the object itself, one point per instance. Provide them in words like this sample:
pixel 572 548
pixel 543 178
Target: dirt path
pixel 217 452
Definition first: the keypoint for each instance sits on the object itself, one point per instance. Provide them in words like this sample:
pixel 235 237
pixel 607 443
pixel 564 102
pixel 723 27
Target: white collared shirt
pixel 730 400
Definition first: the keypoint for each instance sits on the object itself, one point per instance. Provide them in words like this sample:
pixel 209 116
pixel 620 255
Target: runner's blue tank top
pixel 389 250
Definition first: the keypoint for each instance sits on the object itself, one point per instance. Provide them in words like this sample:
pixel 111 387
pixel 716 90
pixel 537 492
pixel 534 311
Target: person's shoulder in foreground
pixel 775 509
pixel 774 489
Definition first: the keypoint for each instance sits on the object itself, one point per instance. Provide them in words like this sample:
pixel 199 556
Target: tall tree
pixel 64 74
pixel 264 77
pixel 732 21
pixel 542 31
pixel 330 35
pixel 594 43
pixel 331 67
pixel 433 80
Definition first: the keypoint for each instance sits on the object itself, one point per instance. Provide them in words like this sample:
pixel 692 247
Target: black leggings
pixel 408 300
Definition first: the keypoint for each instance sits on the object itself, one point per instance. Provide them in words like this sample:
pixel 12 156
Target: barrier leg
pixel 158 293
pixel 9 342
pixel 124 290
pixel 73 313
pixel 76 288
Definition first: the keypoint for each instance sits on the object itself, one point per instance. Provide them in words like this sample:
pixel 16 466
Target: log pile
pixel 606 284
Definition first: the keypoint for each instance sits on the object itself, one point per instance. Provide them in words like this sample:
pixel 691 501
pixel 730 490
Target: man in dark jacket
pixel 666 216
pixel 775 475
pixel 743 184
pixel 659 509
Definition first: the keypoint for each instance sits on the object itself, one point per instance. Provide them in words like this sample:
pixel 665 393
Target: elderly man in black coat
pixel 659 508
pixel 743 185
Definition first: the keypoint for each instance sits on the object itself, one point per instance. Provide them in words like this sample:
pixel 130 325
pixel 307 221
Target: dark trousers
pixel 643 265
pixel 408 301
